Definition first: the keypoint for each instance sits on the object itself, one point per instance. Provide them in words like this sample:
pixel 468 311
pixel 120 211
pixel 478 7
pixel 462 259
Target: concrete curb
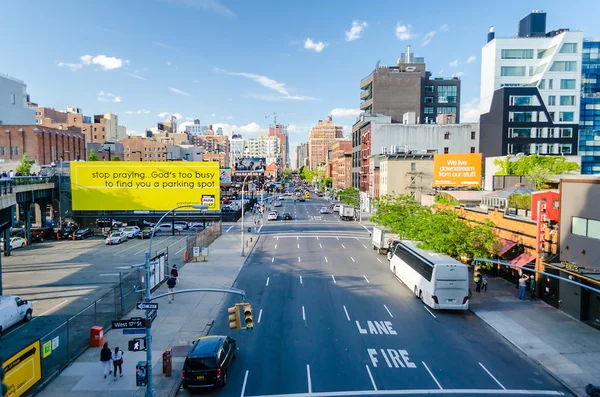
pixel 552 374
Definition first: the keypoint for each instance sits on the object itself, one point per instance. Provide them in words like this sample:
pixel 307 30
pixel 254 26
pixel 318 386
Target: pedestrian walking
pixel 522 287
pixel 105 358
pixel 117 359
pixel 532 286
pixel 484 281
pixel 171 283
pixel 175 271
pixel 478 283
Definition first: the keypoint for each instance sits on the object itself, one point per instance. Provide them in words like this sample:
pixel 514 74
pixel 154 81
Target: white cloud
pixel 106 63
pixel 470 111
pixel 444 28
pixel 356 30
pixel 267 83
pixel 166 115
pixel 168 63
pixel 441 72
pixel 472 58
pixel 204 5
pixel 108 97
pixel 178 116
pixel 134 133
pixel 141 111
pixel 248 130
pixel 229 118
pixel 458 74
pixel 403 32
pixel 454 63
pixel 345 112
pixel 316 46
pixel 177 91
pixel 136 76
pixel 427 38
pixel 168 47
pixel 213 115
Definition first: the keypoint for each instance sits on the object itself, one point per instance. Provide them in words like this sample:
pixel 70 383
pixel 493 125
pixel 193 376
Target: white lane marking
pixel 337 238
pixel 333 278
pixel 389 312
pixel 230 227
pixel 317 238
pixel 303 314
pixel 109 274
pixel 343 246
pixel 371 377
pixel 300 279
pixel 297 237
pixel 352 259
pixel 52 308
pixel 320 245
pixel 272 260
pixel 326 260
pixel 275 247
pixel 493 377
pixel 366 279
pixel 244 385
pixel 363 245
pixel 431 373
pixel 259 315
pixel 130 247
pixel 308 377
pixel 260 228
pixel 365 227
pixel 347 315
pixel 298 246
pixel 267 284
pixel 418 392
pixel 379 260
pixel 298 259
pixel 356 238
pixel 429 311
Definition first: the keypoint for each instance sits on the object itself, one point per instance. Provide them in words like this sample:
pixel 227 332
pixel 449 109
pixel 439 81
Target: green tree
pixel 25 166
pixel 92 156
pixel 286 175
pixel 115 158
pixel 556 165
pixel 325 183
pixel 539 175
pixel 350 196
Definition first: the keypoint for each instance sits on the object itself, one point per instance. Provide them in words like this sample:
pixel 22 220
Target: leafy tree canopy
pixel 25 166
pixel 555 165
pixel 92 156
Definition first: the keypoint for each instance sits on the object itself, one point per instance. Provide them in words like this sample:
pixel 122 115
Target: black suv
pixel 208 361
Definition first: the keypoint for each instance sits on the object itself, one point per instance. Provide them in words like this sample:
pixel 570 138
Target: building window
pixel 472 149
pixel 516 100
pixel 3 150
pixel 446 109
pixel 552 115
pixel 513 71
pixel 550 84
pixel 566 116
pixel 567 84
pixel 566 132
pixel 564 66
pixel 95 137
pixel 568 48
pixel 428 99
pixel 517 54
pixel 13 99
pixel 567 100
pixel 413 167
pixel 565 148
pixel 446 150
pixel 473 134
pixel 542 85
pixel 521 117
pixel 551 100
pixel 446 135
pixel 428 110
pixel 585 227
pixel 14 150
pixel 429 88
pixel 544 53
pixel 447 93
pixel 519 132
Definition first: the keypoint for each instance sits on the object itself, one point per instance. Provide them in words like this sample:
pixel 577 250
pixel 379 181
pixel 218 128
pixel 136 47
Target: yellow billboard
pixel 23 370
pixel 457 169
pixel 125 186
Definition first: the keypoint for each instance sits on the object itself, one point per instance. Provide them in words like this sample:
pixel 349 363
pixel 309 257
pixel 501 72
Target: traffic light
pixel 248 317
pixel 234 318
pixel 2 373
pixel 137 345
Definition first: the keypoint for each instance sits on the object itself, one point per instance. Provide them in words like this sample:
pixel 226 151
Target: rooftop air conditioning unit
pixel 394 149
pixel 411 69
pixel 424 151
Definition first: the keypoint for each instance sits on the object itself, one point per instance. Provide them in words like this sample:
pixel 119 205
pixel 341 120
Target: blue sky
pixel 233 62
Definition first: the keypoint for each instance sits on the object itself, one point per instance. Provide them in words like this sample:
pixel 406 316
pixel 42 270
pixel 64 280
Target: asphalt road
pixel 330 318
pixel 62 278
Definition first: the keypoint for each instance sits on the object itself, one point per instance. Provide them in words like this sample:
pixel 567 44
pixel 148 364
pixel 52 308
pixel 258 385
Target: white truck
pixel 13 310
pixel 346 212
pixel 382 239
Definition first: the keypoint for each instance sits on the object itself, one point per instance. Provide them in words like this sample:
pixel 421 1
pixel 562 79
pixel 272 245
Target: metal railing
pixel 7 184
pixel 203 239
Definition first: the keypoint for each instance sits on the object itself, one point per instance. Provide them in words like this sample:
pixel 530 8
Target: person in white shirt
pixel 117 358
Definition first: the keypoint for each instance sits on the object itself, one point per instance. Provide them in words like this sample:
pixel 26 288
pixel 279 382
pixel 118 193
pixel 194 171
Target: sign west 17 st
pixel 136 322
pixel 147 306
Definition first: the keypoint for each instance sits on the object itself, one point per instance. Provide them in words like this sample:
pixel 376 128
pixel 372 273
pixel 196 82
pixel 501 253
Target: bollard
pixel 73 236
pixel 185 258
pixel 250 239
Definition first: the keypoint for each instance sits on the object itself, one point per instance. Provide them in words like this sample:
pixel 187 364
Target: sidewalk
pixel 564 346
pixel 177 326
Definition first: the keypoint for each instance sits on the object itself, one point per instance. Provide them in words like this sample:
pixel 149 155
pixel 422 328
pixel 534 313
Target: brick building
pixel 341 164
pixel 137 148
pixel 320 140
pixel 42 144
pixel 215 147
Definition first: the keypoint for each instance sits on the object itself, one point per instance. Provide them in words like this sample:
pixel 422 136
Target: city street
pixel 330 318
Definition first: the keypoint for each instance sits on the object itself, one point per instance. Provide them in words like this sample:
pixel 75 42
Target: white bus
pixel 440 281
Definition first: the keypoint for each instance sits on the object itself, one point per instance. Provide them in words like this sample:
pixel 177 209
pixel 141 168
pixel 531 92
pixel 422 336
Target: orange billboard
pixel 457 169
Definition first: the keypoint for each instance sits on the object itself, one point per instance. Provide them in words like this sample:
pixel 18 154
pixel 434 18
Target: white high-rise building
pixel 236 148
pixel 263 146
pixel 13 102
pixel 550 61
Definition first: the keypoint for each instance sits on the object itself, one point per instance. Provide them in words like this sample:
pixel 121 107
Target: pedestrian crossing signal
pixel 234 318
pixel 249 321
pixel 137 345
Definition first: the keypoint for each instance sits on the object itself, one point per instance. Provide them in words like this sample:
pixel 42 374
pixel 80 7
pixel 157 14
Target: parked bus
pixel 440 281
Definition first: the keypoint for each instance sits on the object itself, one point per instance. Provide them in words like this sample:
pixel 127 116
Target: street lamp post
pixel 243 210
pixel 149 387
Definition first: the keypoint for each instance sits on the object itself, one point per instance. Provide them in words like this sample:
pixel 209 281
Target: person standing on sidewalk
pixel 532 286
pixel 484 281
pixel 174 271
pixel 478 283
pixel 522 287
pixel 105 357
pixel 117 359
pixel 171 283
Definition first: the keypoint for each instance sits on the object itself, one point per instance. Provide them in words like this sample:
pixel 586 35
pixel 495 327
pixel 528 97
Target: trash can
pixel 167 362
pixel 141 374
pixel 96 336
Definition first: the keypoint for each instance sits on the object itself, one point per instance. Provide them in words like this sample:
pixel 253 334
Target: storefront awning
pixel 503 246
pixel 522 260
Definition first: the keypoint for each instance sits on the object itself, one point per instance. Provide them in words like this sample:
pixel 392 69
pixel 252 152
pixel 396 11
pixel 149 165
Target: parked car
pixel 15 242
pixel 184 225
pixel 280 198
pixel 13 310
pixel 42 233
pixel 131 231
pixel 197 227
pixel 287 216
pixel 208 362
pixel 67 232
pixel 324 210
pixel 116 238
pixel 168 228
pixel 146 233
pixel 82 234
pixel 336 208
pixel 277 204
pixel 273 216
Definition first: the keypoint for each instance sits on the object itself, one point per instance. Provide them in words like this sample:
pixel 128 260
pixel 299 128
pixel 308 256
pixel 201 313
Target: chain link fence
pixel 203 239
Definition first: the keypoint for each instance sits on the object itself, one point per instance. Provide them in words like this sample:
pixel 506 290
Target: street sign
pixel 147 306
pixel 134 331
pixel 196 252
pixel 134 322
pixel 151 317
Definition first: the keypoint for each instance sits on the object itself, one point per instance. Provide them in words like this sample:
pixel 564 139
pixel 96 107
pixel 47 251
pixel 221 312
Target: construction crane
pixel 274 117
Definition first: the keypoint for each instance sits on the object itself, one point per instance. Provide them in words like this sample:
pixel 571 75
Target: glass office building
pixel 589 121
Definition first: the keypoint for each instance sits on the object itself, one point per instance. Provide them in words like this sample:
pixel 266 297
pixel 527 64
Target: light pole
pixel 243 210
pixel 149 387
